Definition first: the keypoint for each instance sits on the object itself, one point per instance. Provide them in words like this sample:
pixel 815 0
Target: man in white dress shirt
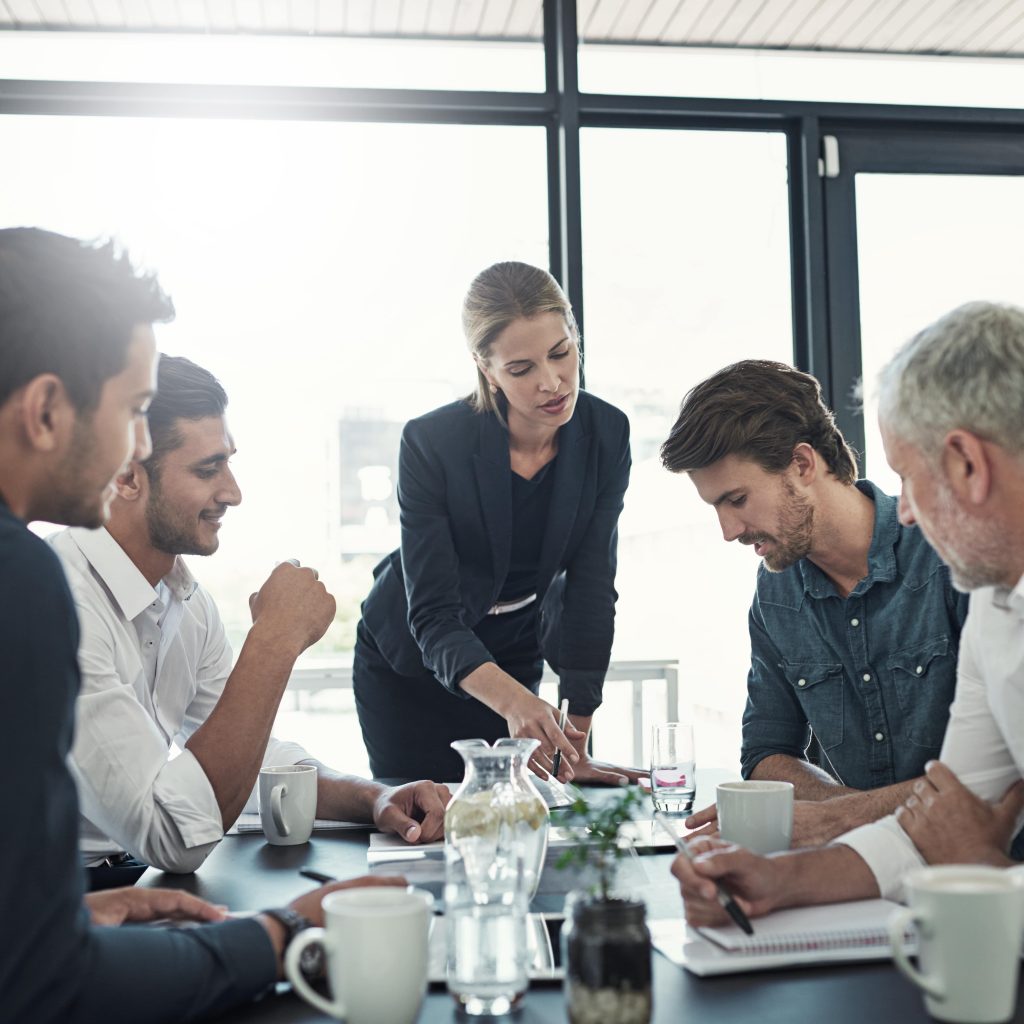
pixel 952 418
pixel 157 667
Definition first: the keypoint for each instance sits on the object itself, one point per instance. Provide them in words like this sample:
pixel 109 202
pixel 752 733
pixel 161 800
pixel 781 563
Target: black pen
pixel 317 876
pixel 563 715
pixel 732 908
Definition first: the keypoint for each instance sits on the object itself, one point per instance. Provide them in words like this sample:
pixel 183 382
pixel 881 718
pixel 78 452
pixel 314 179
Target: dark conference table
pixel 246 873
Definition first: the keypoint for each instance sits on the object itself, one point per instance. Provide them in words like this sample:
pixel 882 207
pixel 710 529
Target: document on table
pixel 249 822
pixel 385 847
pixel 832 933
pixel 424 865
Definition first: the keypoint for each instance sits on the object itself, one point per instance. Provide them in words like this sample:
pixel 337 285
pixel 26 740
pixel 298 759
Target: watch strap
pixel 291 920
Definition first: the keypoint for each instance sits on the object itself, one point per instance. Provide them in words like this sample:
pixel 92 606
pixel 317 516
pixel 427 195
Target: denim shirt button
pixel 867 677
pixel 854 622
pixel 801 682
pixel 879 736
pixel 919 669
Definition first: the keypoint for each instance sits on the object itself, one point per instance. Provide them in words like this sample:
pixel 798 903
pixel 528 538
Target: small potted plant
pixel 606 947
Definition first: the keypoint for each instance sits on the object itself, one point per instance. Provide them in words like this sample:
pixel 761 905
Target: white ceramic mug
pixel 756 814
pixel 376 941
pixel 969 920
pixel 287 798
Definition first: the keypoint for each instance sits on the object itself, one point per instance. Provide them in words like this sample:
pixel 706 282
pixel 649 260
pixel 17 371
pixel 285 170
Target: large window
pixel 318 269
pixel 319 265
pixel 686 269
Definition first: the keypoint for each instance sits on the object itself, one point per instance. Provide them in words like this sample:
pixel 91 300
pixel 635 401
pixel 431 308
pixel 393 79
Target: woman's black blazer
pixel 455 497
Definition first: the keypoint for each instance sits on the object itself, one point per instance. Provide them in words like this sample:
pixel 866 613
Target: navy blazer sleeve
pixel 430 565
pixel 588 612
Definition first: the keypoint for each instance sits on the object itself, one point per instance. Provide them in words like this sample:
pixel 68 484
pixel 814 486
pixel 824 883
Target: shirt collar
pixel 1010 600
pixel 129 588
pixel 881 554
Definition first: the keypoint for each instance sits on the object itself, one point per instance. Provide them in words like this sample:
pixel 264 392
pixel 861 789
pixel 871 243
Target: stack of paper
pixel 249 822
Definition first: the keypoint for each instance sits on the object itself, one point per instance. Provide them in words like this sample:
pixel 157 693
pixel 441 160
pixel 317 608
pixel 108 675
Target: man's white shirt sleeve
pixel 162 811
pixel 133 796
pixel 975 747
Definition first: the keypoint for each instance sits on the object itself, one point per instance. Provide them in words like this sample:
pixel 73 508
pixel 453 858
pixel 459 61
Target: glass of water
pixel 673 768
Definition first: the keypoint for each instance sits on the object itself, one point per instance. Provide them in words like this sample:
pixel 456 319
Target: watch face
pixel 312 962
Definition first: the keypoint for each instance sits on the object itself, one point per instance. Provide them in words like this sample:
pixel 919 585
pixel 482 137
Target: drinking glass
pixel 673 768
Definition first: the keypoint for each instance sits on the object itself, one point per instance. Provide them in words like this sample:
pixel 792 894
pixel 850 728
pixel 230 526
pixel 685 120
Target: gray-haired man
pixel 952 419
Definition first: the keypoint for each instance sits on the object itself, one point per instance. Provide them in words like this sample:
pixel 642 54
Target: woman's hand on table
pixel 588 772
pixel 414 811
pixel 591 772
pixel 131 905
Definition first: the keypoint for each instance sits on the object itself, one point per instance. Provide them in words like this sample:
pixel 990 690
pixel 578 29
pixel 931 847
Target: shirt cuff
pixel 184 792
pixel 245 949
pixel 887 851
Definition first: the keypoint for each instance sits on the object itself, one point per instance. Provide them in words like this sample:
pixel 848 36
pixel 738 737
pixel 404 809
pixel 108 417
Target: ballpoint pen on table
pixel 317 876
pixel 563 716
pixel 724 897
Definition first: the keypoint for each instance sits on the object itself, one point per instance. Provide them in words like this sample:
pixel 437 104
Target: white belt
pixel 504 607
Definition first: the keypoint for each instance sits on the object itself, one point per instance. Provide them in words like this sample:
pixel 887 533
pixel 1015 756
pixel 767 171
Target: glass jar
pixel 496 836
pixel 606 949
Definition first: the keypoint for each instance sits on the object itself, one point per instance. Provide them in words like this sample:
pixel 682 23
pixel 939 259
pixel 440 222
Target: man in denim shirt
pixel 855 624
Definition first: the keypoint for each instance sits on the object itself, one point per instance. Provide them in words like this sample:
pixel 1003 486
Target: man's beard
pixel 979 557
pixel 76 502
pixel 168 533
pixel 796 531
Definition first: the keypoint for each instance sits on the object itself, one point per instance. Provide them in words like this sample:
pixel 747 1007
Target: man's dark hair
pixel 184 391
pixel 69 308
pixel 759 410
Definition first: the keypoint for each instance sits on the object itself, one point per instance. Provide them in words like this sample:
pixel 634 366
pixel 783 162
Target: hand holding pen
pixel 731 907
pixel 563 717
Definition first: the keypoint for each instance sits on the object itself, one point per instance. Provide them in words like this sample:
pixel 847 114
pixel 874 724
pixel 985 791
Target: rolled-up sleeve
pixel 588 615
pixel 430 565
pixel 162 811
pixel 773 720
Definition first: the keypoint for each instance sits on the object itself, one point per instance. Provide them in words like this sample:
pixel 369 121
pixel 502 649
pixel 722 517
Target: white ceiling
pixel 980 27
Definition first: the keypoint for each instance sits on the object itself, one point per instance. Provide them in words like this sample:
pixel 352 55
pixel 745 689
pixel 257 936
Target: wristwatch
pixel 311 963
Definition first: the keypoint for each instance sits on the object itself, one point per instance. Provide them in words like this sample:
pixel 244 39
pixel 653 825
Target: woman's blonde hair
pixel 498 296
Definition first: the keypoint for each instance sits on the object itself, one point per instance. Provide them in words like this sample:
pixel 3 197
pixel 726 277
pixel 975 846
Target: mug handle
pixel 293 954
pixel 276 811
pixel 898 924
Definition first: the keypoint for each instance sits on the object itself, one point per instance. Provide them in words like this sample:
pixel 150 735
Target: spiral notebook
pixel 832 933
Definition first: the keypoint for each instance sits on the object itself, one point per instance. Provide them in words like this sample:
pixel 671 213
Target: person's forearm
pixel 583 723
pixel 843 813
pixel 344 797
pixel 831 874
pixel 491 686
pixel 230 744
pixel 809 781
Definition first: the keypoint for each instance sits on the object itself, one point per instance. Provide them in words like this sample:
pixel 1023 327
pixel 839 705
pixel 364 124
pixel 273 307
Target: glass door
pixel 916 225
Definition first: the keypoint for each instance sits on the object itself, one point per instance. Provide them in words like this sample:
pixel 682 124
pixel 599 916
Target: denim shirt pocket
pixel 818 687
pixel 924 677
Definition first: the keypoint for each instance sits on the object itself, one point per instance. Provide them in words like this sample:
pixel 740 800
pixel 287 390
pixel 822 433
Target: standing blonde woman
pixel 510 501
